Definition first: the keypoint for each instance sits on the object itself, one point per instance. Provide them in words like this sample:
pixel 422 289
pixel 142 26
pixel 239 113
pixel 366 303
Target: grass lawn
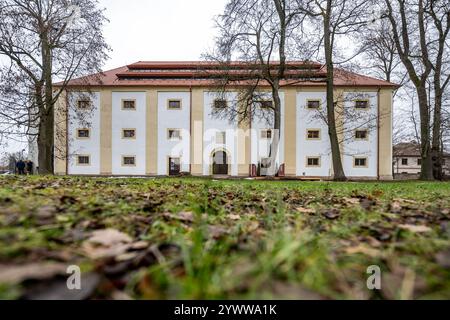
pixel 204 239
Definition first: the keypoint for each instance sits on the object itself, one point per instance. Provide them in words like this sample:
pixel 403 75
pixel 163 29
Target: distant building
pixel 407 159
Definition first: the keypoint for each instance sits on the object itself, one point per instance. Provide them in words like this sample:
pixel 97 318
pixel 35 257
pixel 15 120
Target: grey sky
pixel 159 30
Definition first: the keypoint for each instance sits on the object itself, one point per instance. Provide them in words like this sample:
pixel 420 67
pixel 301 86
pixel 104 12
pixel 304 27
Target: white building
pixel 158 119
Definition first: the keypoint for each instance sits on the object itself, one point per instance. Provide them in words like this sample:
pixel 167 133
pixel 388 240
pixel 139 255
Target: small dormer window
pixel 220 104
pixel 129 104
pixel 361 104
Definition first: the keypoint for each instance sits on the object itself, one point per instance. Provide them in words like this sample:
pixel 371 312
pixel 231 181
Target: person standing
pixel 29 167
pixel 20 167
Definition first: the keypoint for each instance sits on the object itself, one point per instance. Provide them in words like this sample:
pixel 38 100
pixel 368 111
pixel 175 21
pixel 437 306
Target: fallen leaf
pixel 106 243
pixel 216 231
pixel 185 216
pixel 351 200
pixel 331 214
pixel 414 228
pixel 14 274
pixel 305 210
pixel 395 207
pixel 374 253
pixel 234 217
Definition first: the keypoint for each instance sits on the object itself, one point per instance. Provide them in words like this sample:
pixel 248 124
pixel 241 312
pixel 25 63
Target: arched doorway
pixel 220 163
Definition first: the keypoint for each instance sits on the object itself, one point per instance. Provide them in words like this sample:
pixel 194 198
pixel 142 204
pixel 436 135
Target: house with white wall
pixel 159 119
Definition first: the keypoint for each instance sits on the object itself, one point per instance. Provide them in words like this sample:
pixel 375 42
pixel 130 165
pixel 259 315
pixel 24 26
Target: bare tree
pixel 334 19
pixel 420 32
pixel 45 41
pixel 261 35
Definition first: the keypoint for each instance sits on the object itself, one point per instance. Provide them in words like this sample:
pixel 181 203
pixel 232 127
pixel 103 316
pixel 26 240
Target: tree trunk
pixel 427 163
pixel 273 170
pixel 339 174
pixel 46 124
pixel 436 150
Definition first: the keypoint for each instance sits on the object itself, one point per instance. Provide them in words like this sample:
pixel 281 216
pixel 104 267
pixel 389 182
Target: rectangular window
pixel 419 162
pixel 266 134
pixel 174 166
pixel 174 104
pixel 83 160
pixel 128 104
pixel 265 104
pixel 361 104
pixel 361 135
pixel 220 103
pixel 360 162
pixel 128 161
pixel 220 137
pixel 174 134
pixel 313 134
pixel 128 133
pixel 313 104
pixel 83 104
pixel 83 133
pixel 404 161
pixel 313 161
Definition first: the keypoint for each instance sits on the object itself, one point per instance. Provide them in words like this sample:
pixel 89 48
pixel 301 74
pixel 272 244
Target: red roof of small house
pixel 203 73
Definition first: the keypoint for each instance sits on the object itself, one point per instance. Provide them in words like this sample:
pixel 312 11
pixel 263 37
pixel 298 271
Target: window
pixel 174 104
pixel 220 103
pixel 360 162
pixel 361 104
pixel 83 133
pixel 419 162
pixel 83 160
pixel 361 135
pixel 174 166
pixel 313 161
pixel 313 134
pixel 404 161
pixel 83 104
pixel 265 104
pixel 220 137
pixel 128 133
pixel 266 134
pixel 313 104
pixel 173 134
pixel 128 161
pixel 128 104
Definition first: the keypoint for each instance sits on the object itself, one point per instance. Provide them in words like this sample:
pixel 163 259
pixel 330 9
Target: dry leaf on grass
pixel 234 217
pixel 305 210
pixel 414 228
pixel 374 253
pixel 14 274
pixel 106 243
pixel 185 216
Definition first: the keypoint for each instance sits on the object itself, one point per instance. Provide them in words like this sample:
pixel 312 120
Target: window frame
pixel 89 104
pixel 174 139
pixel 313 166
pixel 361 139
pixel 180 101
pixel 404 164
pixel 360 158
pixel 122 105
pixel 129 129
pixel 311 100
pixel 262 101
pixel 128 165
pixel 79 164
pixel 221 100
pixel 83 129
pixel 313 129
pixel 360 100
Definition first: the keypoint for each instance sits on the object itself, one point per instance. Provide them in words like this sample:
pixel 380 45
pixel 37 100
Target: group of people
pixel 24 167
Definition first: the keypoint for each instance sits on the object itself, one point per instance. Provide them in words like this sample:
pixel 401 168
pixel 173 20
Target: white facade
pixel 214 125
pixel 219 134
pixel 176 120
pixel 308 119
pixel 84 119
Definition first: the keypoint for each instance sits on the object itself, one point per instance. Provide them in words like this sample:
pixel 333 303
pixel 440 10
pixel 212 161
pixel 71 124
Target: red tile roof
pixel 202 73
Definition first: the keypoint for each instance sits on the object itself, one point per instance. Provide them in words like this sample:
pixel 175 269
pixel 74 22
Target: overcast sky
pixel 158 29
